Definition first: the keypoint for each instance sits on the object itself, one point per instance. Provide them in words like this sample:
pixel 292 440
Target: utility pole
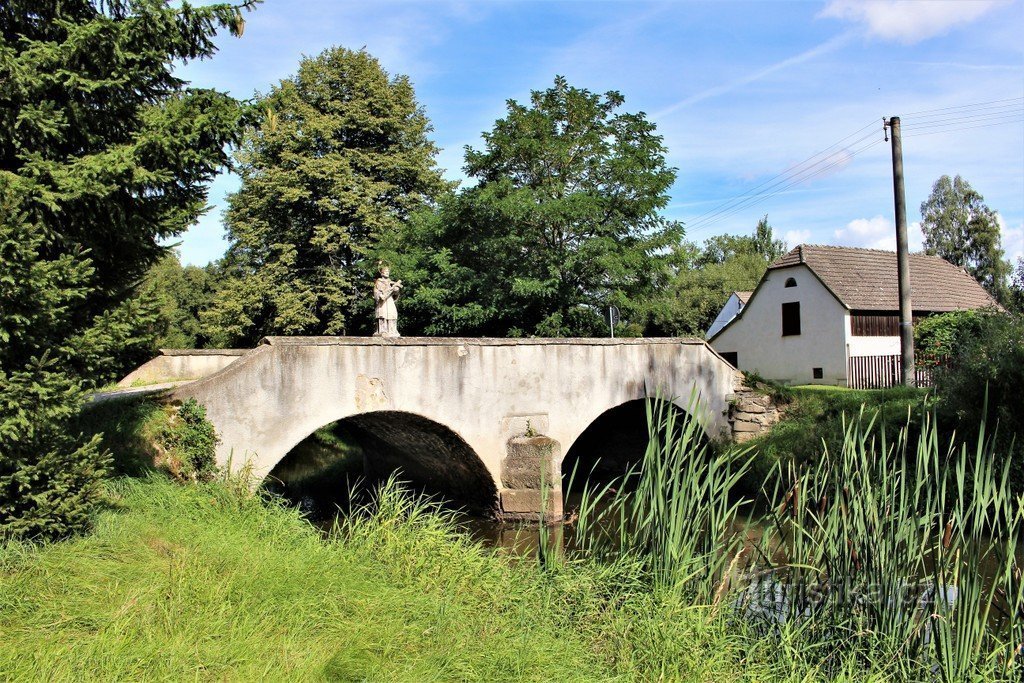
pixel 902 255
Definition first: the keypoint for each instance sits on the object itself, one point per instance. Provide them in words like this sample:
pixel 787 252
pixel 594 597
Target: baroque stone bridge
pixel 484 421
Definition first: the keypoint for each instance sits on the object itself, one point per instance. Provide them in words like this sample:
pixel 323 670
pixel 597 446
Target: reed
pixel 674 510
pixel 894 556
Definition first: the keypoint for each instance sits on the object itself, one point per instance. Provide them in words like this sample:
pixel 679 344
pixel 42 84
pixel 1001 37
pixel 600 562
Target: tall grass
pixel 674 510
pixel 886 557
pixel 899 554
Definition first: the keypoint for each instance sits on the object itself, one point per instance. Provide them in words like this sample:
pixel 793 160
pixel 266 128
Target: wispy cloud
pixel 817 51
pixel 908 21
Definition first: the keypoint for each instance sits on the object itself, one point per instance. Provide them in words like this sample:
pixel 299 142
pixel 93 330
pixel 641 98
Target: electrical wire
pixel 916 124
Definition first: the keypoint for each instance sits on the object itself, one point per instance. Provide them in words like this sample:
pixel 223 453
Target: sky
pixel 765 107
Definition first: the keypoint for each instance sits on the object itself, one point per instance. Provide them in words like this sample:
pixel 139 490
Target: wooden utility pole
pixel 902 255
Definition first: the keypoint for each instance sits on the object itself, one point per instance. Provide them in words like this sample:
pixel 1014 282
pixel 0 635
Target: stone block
pixel 530 462
pixel 744 426
pixel 527 503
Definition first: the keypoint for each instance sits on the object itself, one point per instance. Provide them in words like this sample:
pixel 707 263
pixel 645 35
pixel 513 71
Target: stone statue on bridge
pixel 385 291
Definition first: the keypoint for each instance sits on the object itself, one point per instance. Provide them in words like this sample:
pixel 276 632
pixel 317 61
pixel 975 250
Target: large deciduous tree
pixel 562 221
pixel 104 152
pixel 961 228
pixel 340 160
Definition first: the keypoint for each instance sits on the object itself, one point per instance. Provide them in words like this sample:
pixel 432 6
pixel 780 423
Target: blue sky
pixel 741 92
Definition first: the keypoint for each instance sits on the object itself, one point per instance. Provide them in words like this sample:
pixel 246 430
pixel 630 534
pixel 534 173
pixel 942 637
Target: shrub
pixel 189 442
pixel 937 338
pixel 981 383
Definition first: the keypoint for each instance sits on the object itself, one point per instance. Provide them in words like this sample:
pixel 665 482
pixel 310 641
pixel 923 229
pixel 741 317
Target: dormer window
pixel 791 282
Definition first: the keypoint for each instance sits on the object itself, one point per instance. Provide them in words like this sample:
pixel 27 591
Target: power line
pixel 784 173
pixel 970 119
pixel 964 106
pixel 959 128
pixel 931 121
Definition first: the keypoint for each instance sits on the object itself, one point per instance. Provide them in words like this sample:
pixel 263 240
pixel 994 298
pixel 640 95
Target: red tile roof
pixel 743 297
pixel 865 279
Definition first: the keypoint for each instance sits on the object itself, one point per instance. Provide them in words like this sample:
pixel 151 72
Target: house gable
pixel 814 341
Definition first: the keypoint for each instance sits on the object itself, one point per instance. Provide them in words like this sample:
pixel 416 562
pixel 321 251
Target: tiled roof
pixel 743 297
pixel 865 279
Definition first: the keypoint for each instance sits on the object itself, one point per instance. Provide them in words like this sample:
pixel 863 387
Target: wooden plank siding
pixel 879 372
pixel 875 324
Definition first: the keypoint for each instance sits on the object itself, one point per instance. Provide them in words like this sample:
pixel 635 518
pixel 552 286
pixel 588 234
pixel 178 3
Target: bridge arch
pixel 428 455
pixel 486 391
pixel 616 439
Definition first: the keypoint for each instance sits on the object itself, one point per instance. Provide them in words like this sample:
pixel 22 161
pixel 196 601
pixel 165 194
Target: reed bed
pixel 886 558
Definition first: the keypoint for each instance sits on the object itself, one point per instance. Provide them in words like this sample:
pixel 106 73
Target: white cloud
pixel 908 21
pixel 876 233
pixel 1012 240
pixel 795 237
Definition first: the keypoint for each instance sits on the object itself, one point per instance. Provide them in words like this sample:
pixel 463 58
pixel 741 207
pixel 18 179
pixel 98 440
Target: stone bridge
pixel 486 420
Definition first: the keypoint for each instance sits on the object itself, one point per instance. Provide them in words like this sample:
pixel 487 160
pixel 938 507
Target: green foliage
pixel 561 223
pixel 981 382
pixel 959 227
pixel 1015 300
pixel 127 428
pixel 699 280
pixel 338 162
pixel 189 443
pixel 50 476
pixel 816 417
pixel 111 151
pixel 180 296
pixel 103 153
pixel 938 338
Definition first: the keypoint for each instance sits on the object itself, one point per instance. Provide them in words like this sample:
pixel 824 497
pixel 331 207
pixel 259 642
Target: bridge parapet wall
pixel 175 365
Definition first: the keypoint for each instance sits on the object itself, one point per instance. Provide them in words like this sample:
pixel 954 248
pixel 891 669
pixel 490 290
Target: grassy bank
pixel 816 417
pixel 204 582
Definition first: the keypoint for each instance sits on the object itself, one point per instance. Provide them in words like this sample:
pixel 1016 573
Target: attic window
pixel 791 282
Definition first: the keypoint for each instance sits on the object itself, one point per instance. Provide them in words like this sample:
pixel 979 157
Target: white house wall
pixel 728 312
pixel 756 336
pixel 873 346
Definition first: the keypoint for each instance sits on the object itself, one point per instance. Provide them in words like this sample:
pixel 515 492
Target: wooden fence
pixel 878 372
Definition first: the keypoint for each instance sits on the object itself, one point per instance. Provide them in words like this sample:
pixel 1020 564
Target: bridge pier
pixel 531 479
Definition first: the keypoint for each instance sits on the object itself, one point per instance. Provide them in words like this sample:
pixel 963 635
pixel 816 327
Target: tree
pixel 103 153
pixel 179 295
pixel 562 222
pixel 701 279
pixel 959 227
pixel 1017 287
pixel 340 160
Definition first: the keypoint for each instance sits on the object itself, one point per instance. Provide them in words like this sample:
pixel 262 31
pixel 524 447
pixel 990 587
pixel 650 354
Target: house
pixel 822 314
pixel 735 304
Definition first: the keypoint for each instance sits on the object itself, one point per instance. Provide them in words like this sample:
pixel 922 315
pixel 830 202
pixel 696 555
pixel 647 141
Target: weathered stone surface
pixel 531 462
pixel 174 365
pixel 744 426
pixel 752 413
pixel 527 503
pixel 482 390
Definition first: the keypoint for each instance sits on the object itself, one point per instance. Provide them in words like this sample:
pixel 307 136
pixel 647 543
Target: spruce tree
pixel 104 153
pixel 339 160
